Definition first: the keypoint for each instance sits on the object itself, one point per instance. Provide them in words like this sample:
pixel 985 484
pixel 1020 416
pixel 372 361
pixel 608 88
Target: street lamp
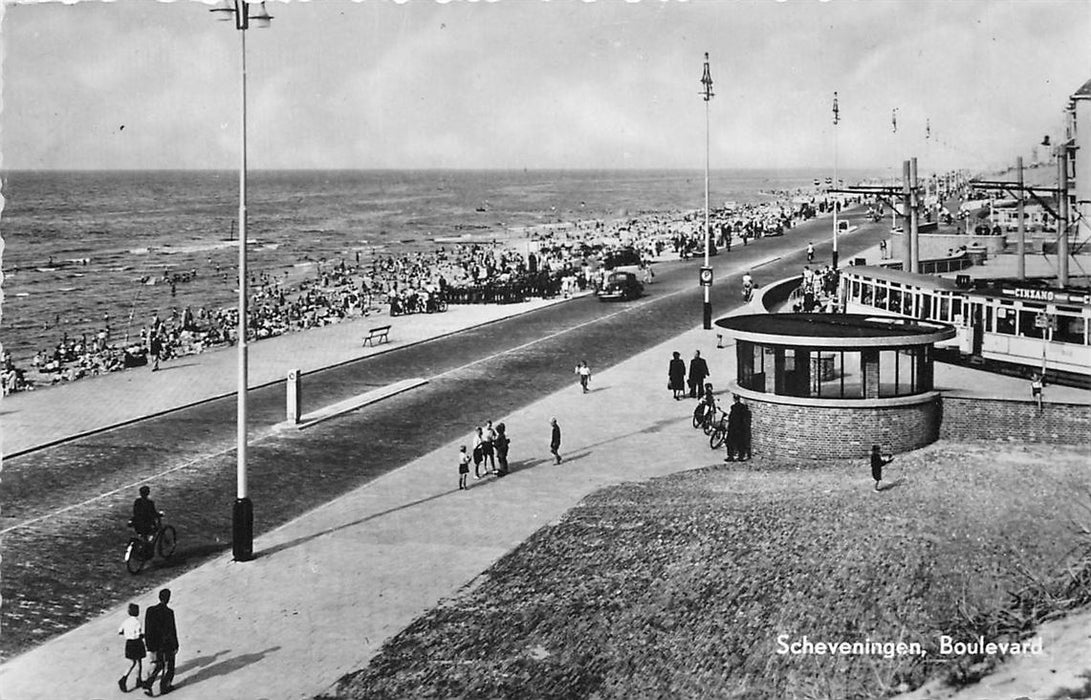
pixel 242 514
pixel 836 185
pixel 706 271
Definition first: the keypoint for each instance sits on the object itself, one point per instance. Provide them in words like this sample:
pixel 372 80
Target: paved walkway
pixel 329 587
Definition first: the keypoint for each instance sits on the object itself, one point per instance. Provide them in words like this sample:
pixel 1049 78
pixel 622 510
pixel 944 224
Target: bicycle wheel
pixel 709 423
pixel 168 540
pixel 717 438
pixel 698 416
pixel 134 562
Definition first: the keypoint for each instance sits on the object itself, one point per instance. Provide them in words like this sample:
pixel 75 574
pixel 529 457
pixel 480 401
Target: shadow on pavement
pixel 300 540
pixel 198 662
pixel 226 666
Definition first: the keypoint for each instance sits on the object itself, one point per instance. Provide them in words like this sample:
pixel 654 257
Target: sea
pixel 86 248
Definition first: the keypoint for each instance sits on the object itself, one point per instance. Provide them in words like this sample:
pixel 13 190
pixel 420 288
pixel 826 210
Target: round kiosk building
pixel 828 386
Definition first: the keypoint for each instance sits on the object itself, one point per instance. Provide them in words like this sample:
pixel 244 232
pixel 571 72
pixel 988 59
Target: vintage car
pixel 621 285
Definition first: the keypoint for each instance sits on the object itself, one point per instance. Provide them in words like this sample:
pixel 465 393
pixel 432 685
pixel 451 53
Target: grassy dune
pixel 680 586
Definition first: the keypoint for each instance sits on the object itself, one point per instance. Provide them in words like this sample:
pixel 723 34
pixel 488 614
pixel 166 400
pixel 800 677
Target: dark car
pixel 621 285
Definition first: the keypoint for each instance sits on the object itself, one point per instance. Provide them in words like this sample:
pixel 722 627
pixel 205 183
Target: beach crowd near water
pixel 558 259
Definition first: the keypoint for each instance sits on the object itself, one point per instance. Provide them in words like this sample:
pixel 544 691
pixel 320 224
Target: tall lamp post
pixel 242 514
pixel 706 271
pixel 836 186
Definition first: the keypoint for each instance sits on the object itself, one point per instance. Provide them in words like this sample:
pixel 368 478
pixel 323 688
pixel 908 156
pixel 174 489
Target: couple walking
pixel 677 375
pixel 158 636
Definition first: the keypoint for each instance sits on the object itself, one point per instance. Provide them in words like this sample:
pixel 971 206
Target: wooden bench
pixel 377 335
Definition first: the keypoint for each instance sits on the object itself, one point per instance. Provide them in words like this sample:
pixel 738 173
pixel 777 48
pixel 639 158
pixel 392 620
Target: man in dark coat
pixel 555 440
pixel 736 430
pixel 161 638
pixel 698 371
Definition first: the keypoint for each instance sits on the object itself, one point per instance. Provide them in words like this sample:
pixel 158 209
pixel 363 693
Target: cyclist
pixel 706 409
pixel 146 517
pixel 747 286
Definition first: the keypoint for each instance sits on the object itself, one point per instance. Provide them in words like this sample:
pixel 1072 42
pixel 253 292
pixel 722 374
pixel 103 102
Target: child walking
pixel 878 460
pixel 463 466
pixel 134 647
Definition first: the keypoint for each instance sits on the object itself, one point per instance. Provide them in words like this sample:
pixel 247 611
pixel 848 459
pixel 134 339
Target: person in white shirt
pixel 134 647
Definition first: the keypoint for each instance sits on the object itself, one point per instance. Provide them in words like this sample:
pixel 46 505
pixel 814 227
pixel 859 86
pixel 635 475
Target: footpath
pixel 327 589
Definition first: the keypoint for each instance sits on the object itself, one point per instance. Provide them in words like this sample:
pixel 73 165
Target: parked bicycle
pixel 719 431
pixel 141 550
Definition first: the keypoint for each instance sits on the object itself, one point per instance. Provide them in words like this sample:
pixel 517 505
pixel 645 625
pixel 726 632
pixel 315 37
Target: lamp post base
pixel 242 530
pixel 834 260
pixel 708 315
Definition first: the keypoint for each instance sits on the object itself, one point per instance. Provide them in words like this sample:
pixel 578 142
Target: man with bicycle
pixel 146 517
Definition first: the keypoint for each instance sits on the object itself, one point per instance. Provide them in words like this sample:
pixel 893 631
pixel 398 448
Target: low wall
pixel 845 431
pixel 1009 420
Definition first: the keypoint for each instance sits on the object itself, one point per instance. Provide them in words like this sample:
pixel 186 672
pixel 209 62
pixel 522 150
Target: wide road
pixel 65 507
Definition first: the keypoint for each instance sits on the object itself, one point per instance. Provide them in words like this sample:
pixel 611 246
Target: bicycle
pixel 703 415
pixel 719 432
pixel 140 550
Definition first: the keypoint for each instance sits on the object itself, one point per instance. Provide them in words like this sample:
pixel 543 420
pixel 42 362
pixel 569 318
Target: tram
pixel 1006 326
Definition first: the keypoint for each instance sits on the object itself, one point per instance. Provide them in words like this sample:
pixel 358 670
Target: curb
pixel 351 404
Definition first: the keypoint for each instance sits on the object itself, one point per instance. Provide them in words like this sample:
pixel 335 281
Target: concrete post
pixel 294 396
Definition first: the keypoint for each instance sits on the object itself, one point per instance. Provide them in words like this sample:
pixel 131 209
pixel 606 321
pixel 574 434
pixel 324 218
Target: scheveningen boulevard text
pixel 948 646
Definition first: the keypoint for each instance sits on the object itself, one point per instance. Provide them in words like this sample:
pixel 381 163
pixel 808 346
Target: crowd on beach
pixel 561 259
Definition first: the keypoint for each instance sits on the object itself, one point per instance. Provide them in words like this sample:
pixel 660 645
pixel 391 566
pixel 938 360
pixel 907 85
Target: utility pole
pixel 836 184
pixel 1062 210
pixel 706 271
pixel 1021 245
pixel 907 241
pixel 914 218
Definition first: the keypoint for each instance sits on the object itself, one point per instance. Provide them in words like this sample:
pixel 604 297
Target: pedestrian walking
pixel 463 466
pixel 501 443
pixel 584 373
pixel 878 460
pixel 698 371
pixel 810 252
pixel 161 637
pixel 488 454
pixel 555 440
pixel 479 451
pixel 134 647
pixel 676 376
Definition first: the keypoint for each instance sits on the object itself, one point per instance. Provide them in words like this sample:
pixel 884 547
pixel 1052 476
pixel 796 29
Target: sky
pixel 563 84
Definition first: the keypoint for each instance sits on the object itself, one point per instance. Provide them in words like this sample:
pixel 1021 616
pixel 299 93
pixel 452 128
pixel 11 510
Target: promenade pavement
pixel 326 589
pixel 37 418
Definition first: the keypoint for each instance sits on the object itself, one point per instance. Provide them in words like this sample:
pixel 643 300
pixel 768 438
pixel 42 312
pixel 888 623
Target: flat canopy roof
pixel 834 330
